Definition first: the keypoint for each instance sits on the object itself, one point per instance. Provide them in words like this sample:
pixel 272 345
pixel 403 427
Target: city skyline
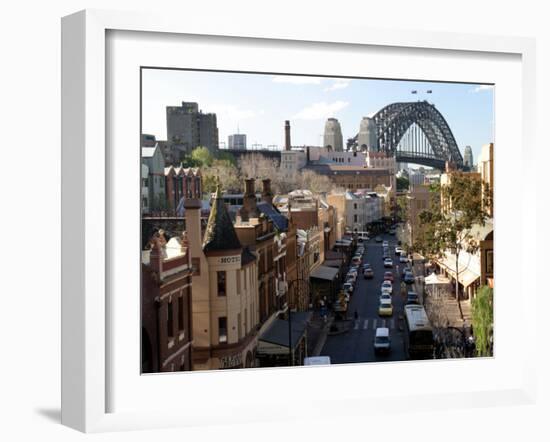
pixel 258 104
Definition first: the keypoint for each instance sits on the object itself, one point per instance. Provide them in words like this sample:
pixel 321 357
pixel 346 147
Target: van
pixel 317 360
pixel 382 340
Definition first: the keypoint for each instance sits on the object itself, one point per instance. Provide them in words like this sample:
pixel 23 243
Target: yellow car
pixel 385 308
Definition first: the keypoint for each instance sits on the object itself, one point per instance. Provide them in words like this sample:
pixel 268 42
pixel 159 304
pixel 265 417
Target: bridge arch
pixel 415 132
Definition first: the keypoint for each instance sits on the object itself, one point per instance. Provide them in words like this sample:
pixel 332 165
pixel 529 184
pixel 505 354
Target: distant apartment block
pixel 188 127
pixel 236 142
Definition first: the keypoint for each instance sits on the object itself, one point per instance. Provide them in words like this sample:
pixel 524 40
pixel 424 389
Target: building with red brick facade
pixel 166 320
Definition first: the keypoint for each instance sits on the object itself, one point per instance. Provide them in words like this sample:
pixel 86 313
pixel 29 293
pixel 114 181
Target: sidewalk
pixel 317 332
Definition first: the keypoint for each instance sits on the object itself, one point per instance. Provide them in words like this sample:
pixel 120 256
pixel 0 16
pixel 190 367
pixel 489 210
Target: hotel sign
pixel 227 261
pixel 231 361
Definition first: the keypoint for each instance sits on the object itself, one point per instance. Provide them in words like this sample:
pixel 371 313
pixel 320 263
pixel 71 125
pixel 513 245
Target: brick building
pixel 166 333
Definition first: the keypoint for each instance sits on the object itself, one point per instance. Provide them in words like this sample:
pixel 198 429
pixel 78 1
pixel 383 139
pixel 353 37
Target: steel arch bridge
pixel 415 132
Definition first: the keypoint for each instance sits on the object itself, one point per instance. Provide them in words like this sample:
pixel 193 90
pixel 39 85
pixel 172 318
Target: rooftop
pixel 220 233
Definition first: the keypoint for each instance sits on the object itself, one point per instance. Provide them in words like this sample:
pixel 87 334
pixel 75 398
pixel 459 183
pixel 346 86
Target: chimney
pixel 267 194
pixel 287 135
pixel 307 154
pixel 249 200
pixel 192 205
pixel 155 256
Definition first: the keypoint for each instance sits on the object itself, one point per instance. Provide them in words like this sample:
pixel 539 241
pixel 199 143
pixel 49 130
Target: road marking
pixel 374 321
pixel 356 326
pixel 365 324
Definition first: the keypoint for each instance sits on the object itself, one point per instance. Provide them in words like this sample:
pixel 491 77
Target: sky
pixel 258 104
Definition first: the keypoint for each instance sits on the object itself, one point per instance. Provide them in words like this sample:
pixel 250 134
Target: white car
pixel 403 258
pixel 388 263
pixel 385 297
pixel 385 244
pixel 387 287
pixel 352 276
pixel 398 250
pixel 348 287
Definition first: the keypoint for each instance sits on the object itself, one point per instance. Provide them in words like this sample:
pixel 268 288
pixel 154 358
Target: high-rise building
pixel 468 157
pixel 367 139
pixel 333 135
pixel 237 142
pixel 189 127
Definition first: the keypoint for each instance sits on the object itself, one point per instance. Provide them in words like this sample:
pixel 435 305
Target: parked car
pixel 348 287
pixel 385 243
pixel 385 308
pixel 384 296
pixel 382 340
pixel 378 239
pixel 356 260
pixel 388 263
pixel 388 276
pixel 351 277
pixel 403 257
pixel 398 250
pixel 412 298
pixel 408 278
pixel 392 232
pixel 366 265
pixel 368 273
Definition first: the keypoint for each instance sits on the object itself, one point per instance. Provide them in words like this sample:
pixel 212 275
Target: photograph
pixel 296 220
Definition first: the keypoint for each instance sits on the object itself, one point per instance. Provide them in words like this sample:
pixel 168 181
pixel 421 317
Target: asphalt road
pixel 356 345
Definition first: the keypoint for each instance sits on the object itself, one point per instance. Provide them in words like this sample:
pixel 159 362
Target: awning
pixel 435 279
pixel 337 263
pixel 324 272
pixel 275 339
pixel 466 275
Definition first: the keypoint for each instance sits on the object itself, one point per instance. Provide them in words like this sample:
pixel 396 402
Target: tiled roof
pixel 220 233
pixel 279 220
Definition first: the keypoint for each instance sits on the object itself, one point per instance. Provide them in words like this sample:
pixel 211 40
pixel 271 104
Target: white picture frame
pixel 86 204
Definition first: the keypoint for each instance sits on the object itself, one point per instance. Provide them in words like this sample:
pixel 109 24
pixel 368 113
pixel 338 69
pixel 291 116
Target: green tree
pixel 202 157
pixel 447 225
pixel 402 183
pixel 482 320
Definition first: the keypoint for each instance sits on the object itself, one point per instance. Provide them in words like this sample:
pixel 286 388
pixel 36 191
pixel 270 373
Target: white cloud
pixel 338 84
pixel 483 87
pixel 319 111
pixel 296 79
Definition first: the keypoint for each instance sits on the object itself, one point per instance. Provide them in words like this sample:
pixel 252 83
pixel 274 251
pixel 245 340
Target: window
pixel 489 262
pixel 354 218
pixel 239 275
pixel 355 206
pixel 239 326
pixel 170 321
pixel 222 330
pixel 196 264
pixel 180 313
pixel 221 283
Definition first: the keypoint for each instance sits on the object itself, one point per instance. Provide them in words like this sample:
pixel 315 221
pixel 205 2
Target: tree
pixel 223 170
pixel 255 165
pixel 447 225
pixel 307 179
pixel 202 157
pixel 482 320
pixel 402 183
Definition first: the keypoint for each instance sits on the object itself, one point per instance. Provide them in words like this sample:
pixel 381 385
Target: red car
pixel 388 276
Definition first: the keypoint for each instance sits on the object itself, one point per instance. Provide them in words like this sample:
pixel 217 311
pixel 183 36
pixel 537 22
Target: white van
pixel 317 360
pixel 382 340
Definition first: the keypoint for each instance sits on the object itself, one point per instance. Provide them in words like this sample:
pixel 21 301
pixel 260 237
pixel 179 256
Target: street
pixel 356 345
